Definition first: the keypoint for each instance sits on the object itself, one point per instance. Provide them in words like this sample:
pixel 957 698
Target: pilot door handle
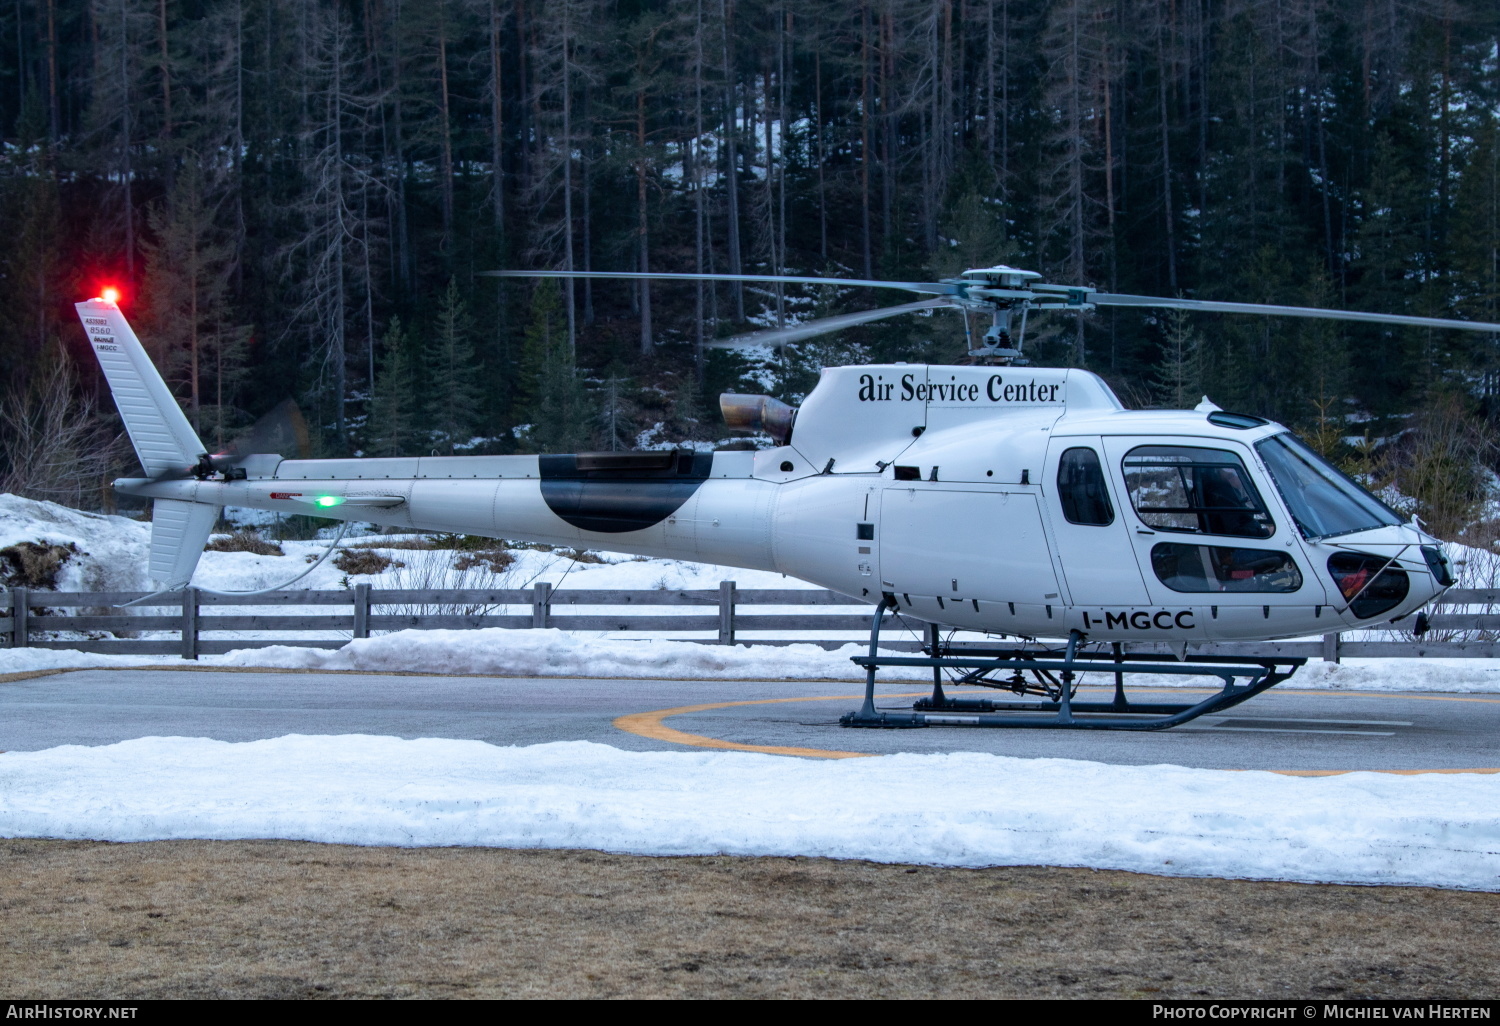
pixel 1142 530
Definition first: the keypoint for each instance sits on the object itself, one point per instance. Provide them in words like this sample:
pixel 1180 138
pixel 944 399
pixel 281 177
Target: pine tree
pixel 616 424
pixel 453 399
pixel 1178 381
pixel 392 426
pixel 557 406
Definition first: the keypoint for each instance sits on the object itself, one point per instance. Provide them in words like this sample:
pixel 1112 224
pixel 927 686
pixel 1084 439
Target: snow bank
pixel 495 651
pixel 112 551
pixel 1435 829
pixel 555 653
pixel 1470 676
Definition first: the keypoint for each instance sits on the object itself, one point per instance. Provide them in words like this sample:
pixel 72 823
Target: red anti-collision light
pixel 110 295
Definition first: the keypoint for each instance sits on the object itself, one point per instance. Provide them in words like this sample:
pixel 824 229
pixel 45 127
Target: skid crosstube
pixel 1061 711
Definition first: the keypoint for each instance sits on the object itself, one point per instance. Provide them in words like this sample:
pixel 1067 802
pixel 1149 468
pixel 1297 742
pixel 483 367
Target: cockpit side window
pixel 1081 488
pixel 1195 491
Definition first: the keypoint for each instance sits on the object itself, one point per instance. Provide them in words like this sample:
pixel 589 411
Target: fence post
pixel 190 623
pixel 726 612
pixel 362 610
pixel 1330 648
pixel 20 610
pixel 541 604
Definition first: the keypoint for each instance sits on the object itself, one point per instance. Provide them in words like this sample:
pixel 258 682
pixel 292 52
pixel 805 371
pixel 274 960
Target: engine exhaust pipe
pixel 759 413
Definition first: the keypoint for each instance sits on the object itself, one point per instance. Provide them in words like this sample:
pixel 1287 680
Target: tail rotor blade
pixel 781 336
pixel 282 431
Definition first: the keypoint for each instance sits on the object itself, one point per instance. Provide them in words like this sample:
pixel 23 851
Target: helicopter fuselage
pixel 1015 500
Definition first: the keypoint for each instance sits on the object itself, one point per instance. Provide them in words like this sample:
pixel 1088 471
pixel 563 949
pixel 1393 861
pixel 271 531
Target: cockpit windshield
pixel 1322 501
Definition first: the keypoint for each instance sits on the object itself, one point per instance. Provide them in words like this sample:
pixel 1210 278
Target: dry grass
pixel 497 561
pixel 293 919
pixel 364 561
pixel 34 564
pixel 244 541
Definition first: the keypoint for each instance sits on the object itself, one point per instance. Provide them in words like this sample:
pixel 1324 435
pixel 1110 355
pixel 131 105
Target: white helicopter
pixel 1021 502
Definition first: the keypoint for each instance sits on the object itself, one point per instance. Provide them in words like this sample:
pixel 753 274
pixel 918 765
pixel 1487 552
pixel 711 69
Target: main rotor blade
pixel 1117 299
pixel 937 287
pixel 781 336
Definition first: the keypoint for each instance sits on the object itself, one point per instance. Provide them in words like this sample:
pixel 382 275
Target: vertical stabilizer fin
pixel 179 530
pixel 160 432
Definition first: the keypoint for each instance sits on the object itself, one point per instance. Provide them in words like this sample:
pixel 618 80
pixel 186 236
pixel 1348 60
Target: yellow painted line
pixel 650 725
pixel 1399 773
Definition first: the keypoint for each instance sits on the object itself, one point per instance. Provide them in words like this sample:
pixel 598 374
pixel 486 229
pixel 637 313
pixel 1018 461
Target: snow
pixel 1435 829
pixel 553 653
pixel 112 551
pixel 500 652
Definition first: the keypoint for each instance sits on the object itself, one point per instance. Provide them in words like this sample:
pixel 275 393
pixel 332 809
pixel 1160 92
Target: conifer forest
pixel 296 197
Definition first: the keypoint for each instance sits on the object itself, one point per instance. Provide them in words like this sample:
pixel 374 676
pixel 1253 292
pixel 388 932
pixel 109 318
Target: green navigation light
pixel 328 500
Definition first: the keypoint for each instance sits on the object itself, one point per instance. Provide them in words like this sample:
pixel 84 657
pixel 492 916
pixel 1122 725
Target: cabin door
pixel 951 543
pixel 1089 528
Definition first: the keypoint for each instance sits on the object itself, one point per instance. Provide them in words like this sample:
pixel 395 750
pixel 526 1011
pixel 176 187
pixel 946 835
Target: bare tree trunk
pixel 446 127
pixel 1005 97
pixel 731 169
pixel 403 236
pixel 1169 222
pixel 771 224
pixel 1315 90
pixel 990 63
pixel 864 140
pixel 643 247
pixel 497 124
pixel 369 289
pixel 588 220
pixel 523 66
pixel 54 128
pixel 339 340
pixel 193 279
pixel 239 154
pixel 782 74
pixel 946 120
pixel 567 103
pixel 166 69
pixel 1107 86
pixel 695 177
pixel 126 173
pixel 887 125
pixel 822 152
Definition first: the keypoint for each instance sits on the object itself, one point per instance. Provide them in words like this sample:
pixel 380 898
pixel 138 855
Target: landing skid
pixel 1054 681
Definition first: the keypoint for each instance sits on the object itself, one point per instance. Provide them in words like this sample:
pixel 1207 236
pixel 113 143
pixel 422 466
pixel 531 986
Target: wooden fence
pixel 25 615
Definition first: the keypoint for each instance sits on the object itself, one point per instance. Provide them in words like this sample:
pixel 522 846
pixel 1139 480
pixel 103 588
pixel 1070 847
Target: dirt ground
pixel 292 919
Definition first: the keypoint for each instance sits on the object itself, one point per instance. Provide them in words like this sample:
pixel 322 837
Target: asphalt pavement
pixel 1280 730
